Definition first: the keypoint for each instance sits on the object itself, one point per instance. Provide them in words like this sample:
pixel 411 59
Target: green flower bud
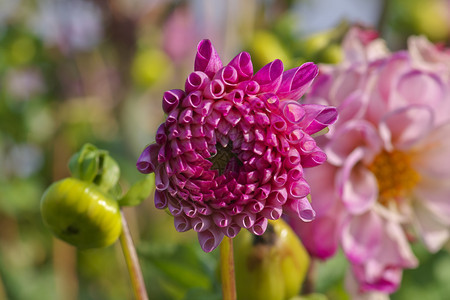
pixel 271 266
pixel 79 213
pixel 95 165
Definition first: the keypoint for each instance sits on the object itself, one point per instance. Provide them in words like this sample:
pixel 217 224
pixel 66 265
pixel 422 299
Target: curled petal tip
pixel 171 99
pixel 305 211
pixel 160 200
pixel 147 161
pixel 293 112
pixel 296 81
pixel 243 65
pixel 210 240
pixel 196 81
pixel 318 117
pixel 270 76
pixel 207 60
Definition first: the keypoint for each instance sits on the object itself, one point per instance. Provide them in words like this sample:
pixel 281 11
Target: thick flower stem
pixel 131 258
pixel 227 269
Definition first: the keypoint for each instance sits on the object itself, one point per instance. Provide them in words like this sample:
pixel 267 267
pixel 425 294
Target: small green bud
pixel 80 214
pixel 94 165
pixel 271 266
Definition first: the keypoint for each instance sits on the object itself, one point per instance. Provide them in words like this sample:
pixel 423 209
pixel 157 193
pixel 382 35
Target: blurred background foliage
pixel 77 71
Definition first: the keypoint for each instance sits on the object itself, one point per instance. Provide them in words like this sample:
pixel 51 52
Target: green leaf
pixel 138 191
pixel 184 266
pixel 116 191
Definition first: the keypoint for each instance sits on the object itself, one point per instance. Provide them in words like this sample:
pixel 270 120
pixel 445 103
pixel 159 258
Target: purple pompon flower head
pixel 232 149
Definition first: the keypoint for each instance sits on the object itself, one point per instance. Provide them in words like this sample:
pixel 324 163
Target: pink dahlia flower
pixel 387 177
pixel 231 152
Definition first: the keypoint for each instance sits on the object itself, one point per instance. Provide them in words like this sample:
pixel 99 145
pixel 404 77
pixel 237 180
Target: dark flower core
pixel 222 158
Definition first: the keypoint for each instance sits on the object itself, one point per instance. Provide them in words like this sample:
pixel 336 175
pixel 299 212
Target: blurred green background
pixel 77 71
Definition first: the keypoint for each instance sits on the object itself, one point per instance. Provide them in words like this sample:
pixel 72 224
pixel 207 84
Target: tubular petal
pixel 296 81
pixel 207 60
pixel 196 81
pixel 270 76
pixel 171 99
pixel 210 239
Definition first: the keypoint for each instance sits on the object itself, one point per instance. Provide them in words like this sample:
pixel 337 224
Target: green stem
pixel 309 286
pixel 227 269
pixel 131 258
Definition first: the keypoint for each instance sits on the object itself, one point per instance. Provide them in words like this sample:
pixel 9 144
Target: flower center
pixel 396 178
pixel 221 159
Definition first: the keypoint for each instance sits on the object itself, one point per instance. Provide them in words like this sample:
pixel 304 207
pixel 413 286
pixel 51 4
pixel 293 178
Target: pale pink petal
pixel 361 237
pixel 418 87
pixel 404 127
pixel 357 185
pixel 358 290
pixel 352 135
pixel 345 85
pixel 385 283
pixel 395 249
pixel 433 157
pixel 321 87
pixel 383 271
pixel 319 237
pixel 434 195
pixel 427 54
pixel 352 107
pixel 322 183
pixel 358 45
pixel 434 232
pixel 389 74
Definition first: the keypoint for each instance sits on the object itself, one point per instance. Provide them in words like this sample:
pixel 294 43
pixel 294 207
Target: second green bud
pixel 271 266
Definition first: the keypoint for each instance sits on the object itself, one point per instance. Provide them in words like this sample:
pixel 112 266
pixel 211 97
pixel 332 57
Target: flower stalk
pixel 227 269
pixel 309 286
pixel 132 261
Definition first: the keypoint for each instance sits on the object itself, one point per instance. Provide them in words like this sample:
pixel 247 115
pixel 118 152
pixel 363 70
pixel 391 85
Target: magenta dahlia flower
pixel 231 152
pixel 386 182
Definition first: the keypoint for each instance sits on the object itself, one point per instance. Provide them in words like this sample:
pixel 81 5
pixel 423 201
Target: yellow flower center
pixel 395 176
